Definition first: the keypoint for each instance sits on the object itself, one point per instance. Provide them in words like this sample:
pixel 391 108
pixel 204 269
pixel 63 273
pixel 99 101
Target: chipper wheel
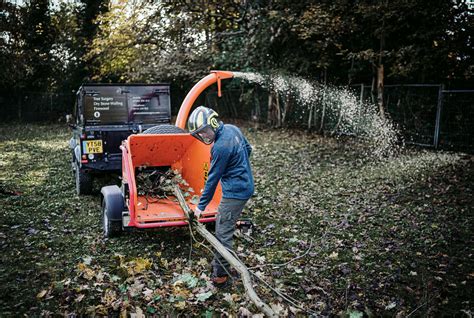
pixel 112 208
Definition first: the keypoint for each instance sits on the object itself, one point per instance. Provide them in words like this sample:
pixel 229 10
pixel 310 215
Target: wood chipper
pixel 160 149
pixel 155 153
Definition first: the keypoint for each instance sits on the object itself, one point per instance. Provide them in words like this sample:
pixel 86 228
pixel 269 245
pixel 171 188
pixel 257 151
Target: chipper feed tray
pixel 179 152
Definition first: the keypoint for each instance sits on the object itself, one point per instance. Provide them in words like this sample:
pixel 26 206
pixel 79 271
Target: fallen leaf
pixel 136 288
pixel 202 262
pixel 391 305
pixel 41 294
pixel 139 265
pixel 279 310
pixel 87 272
pixel 203 296
pixel 180 305
pixel 79 298
pixel 187 279
pixel 87 260
pixel 355 314
pixel 138 313
pixel 244 312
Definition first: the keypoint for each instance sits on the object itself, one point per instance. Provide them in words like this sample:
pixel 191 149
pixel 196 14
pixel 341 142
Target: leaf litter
pixel 387 236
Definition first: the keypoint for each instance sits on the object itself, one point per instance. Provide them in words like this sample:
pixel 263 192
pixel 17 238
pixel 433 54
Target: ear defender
pixel 212 121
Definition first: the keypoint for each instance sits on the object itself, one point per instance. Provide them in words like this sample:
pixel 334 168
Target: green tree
pixel 38 37
pixel 175 41
pixel 12 62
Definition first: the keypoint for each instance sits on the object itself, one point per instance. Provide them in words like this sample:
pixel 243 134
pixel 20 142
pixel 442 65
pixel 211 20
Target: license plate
pixel 92 146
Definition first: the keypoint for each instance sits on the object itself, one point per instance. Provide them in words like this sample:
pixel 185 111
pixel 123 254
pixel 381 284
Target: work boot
pixel 234 274
pixel 220 276
pixel 220 281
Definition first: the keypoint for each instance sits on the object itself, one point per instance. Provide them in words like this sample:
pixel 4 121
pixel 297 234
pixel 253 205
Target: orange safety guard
pixel 181 152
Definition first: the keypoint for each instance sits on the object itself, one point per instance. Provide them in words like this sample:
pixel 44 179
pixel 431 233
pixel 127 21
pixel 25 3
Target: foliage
pixel 143 41
pixel 57 47
pixel 45 44
pixel 10 48
pixel 389 237
pixel 180 41
pixel 410 36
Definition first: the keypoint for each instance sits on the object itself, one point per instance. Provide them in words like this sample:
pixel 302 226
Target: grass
pixel 384 237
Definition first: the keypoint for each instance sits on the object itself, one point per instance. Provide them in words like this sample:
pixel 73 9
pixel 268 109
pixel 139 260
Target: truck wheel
pixel 163 130
pixel 111 228
pixel 83 181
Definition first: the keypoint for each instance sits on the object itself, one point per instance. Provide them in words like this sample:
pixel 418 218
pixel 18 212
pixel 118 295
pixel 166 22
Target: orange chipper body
pixel 181 152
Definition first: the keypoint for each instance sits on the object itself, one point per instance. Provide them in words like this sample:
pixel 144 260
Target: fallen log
pixel 221 249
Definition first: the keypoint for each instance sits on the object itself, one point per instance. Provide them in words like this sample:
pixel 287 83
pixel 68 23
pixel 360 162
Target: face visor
pixel 205 134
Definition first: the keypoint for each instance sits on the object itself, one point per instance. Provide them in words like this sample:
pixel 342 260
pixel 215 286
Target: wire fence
pixel 430 115
pixel 425 114
pixel 457 119
pixel 412 107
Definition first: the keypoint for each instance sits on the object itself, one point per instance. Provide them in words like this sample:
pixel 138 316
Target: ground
pixel 338 231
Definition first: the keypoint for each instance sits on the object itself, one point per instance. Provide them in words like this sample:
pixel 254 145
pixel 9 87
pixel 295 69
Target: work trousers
pixel 229 212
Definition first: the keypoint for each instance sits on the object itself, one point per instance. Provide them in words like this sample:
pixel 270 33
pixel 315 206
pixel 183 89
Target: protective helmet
pixel 203 124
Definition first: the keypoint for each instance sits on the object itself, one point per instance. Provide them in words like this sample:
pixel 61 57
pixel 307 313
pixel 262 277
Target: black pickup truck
pixel 106 114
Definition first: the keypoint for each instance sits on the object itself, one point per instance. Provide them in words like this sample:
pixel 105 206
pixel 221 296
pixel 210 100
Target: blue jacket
pixel 230 164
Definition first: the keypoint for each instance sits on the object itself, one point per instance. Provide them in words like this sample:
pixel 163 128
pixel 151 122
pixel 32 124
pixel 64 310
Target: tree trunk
pixel 270 107
pixel 274 112
pixel 310 117
pixel 373 86
pixel 380 74
pixel 339 120
pixel 277 110
pixel 350 75
pixel 286 109
pixel 256 111
pixel 323 113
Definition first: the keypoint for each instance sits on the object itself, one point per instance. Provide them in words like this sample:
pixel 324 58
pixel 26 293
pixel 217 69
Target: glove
pixel 197 213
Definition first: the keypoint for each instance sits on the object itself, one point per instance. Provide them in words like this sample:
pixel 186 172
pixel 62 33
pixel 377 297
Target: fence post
pixel 438 116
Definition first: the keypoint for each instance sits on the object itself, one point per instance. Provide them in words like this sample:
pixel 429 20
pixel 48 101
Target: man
pixel 229 164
